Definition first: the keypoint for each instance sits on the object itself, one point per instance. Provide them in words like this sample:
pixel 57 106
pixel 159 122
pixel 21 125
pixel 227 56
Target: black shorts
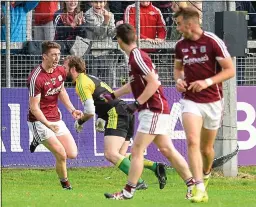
pixel 120 122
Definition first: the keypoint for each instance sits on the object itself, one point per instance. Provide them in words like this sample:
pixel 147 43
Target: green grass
pixel 32 188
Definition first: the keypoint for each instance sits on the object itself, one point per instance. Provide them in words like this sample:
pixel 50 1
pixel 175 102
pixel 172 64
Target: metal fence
pixel 116 74
pixel 113 66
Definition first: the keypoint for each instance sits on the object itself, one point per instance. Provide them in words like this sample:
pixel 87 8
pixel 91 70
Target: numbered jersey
pixel 140 65
pixel 90 87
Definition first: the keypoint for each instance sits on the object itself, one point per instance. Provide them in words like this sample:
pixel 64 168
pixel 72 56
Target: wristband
pixel 137 103
pixel 209 81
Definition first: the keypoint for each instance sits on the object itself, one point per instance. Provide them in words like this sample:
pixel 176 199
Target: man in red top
pixel 198 77
pixel 152 24
pixel 44 12
pixel 46 86
pixel 154 113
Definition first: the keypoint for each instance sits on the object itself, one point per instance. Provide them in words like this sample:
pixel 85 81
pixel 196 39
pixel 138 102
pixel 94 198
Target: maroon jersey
pixel 48 85
pixel 199 59
pixel 140 65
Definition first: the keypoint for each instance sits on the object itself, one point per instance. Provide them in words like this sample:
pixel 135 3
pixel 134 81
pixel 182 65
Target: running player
pixel 119 124
pixel 46 86
pixel 154 113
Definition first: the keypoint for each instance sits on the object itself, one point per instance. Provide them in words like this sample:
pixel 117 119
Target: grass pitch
pixel 33 188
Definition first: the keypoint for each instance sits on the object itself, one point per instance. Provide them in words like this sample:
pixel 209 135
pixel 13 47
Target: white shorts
pixel 41 132
pixel 212 113
pixel 154 123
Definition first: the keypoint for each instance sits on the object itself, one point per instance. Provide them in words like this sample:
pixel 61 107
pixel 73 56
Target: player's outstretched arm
pixel 89 111
pixel 64 98
pixel 125 89
pixel 79 123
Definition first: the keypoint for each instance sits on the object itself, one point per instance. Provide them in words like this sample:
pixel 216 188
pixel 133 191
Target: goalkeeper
pixel 113 119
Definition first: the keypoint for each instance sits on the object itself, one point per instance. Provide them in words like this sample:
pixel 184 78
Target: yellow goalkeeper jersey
pixel 91 87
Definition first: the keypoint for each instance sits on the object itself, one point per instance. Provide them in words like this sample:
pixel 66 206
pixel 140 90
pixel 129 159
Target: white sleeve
pixel 89 107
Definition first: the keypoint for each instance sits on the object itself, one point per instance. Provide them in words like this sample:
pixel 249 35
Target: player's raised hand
pixel 181 85
pixel 197 86
pixel 55 128
pixel 77 114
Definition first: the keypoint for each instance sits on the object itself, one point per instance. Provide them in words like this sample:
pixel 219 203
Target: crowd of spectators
pixel 67 21
pixel 64 20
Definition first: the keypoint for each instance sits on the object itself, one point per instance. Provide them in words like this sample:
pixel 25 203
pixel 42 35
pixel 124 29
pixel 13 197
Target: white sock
pixel 127 194
pixel 200 186
pixel 206 176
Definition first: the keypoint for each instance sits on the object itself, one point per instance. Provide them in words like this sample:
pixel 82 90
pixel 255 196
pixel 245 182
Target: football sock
pixel 65 183
pixel 206 176
pixel 190 183
pixel 63 179
pixel 148 164
pixel 200 185
pixel 129 190
pixel 124 165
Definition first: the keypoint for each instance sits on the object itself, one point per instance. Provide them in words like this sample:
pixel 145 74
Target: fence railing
pixel 114 69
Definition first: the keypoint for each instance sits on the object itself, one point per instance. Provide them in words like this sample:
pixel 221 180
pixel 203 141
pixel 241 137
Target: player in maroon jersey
pixel 46 86
pixel 154 113
pixel 202 63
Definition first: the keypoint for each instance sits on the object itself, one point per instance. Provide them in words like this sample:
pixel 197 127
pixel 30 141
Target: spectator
pixel 18 20
pixel 69 22
pixel 44 13
pixel 152 24
pixel 165 8
pixel 118 9
pixel 100 25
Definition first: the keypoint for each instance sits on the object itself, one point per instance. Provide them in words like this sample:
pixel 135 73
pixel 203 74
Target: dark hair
pixel 126 33
pixel 65 10
pixel 187 13
pixel 77 62
pixel 47 45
